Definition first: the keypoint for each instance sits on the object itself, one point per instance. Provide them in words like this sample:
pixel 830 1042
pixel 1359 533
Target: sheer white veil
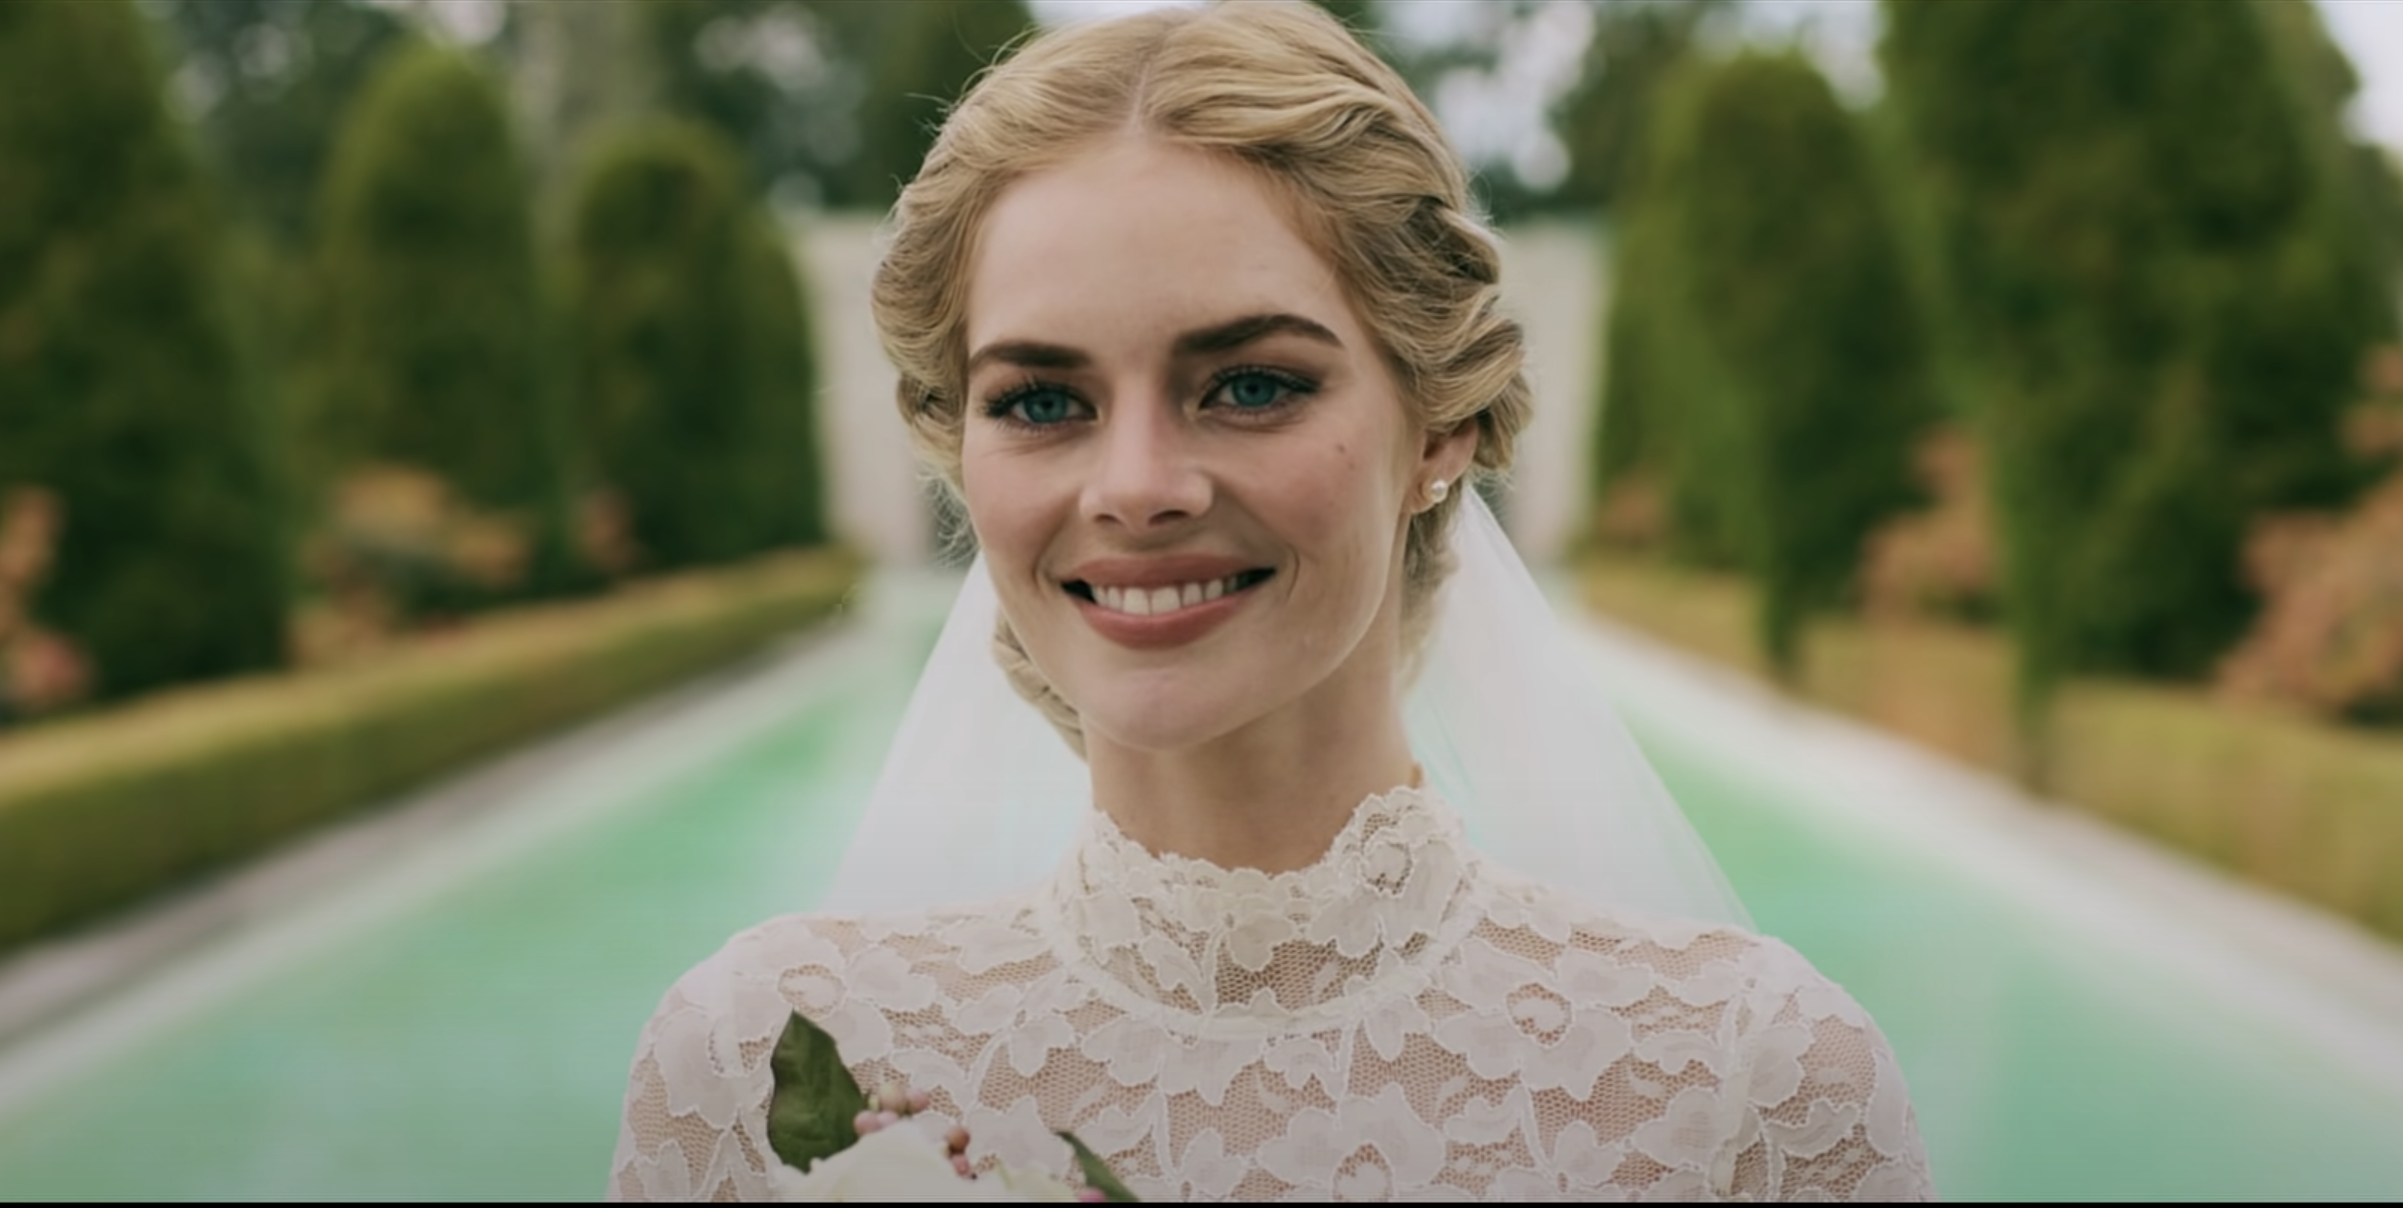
pixel 979 797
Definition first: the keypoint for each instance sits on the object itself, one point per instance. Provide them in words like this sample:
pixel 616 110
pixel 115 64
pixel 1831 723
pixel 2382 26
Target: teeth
pixel 1140 602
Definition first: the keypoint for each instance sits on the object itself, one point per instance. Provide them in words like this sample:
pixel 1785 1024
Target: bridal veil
pixel 979 797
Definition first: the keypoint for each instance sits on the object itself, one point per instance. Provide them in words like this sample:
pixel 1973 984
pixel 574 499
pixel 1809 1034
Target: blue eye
pixel 1043 407
pixel 1253 391
pixel 1035 405
pixel 1257 390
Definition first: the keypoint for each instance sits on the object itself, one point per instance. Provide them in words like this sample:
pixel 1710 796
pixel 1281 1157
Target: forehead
pixel 1138 239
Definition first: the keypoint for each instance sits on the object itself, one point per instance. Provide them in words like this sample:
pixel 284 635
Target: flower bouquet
pixel 839 1145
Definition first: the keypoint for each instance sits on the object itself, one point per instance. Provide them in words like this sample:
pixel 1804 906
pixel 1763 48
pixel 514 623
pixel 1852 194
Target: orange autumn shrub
pixel 2330 635
pixel 400 551
pixel 1940 561
pixel 1633 515
pixel 40 671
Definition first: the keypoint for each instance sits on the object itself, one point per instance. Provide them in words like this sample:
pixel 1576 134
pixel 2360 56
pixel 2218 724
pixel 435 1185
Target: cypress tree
pixel 927 52
pixel 693 371
pixel 1768 342
pixel 2152 286
pixel 120 386
pixel 1636 47
pixel 433 336
pixel 281 74
pixel 1619 436
pixel 781 390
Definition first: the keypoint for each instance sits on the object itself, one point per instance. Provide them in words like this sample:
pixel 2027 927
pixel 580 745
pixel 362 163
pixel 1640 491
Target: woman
pixel 1191 312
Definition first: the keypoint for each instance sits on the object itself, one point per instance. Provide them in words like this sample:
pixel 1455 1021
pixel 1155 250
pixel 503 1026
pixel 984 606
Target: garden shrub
pixel 694 377
pixel 433 336
pixel 40 671
pixel 122 392
pixel 397 551
pixel 1767 338
pixel 2158 298
pixel 2330 634
pixel 1940 561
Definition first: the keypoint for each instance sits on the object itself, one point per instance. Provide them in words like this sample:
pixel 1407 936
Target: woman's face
pixel 1186 461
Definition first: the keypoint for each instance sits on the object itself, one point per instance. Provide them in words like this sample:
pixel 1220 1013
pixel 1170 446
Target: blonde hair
pixel 1370 182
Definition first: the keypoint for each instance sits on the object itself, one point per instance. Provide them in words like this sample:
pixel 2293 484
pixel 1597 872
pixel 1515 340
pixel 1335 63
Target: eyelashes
pixel 1033 404
pixel 1230 385
pixel 1249 393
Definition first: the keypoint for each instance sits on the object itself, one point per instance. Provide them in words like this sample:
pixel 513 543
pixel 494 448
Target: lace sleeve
pixel 695 1122
pixel 1825 1111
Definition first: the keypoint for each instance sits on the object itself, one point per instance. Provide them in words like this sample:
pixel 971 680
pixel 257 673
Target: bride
pixel 1192 313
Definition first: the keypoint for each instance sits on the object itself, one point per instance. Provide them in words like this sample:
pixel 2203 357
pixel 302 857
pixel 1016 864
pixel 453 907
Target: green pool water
pixel 471 1040
pixel 2045 1062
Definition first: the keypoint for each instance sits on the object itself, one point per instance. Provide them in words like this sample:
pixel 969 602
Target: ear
pixel 1448 452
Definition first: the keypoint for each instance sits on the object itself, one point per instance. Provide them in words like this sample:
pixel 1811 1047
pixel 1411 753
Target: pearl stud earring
pixel 1438 491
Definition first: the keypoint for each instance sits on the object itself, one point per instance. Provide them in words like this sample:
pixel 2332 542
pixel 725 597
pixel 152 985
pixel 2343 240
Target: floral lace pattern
pixel 1397 1021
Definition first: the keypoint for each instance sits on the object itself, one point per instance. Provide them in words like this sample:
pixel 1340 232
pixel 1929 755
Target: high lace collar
pixel 1369 916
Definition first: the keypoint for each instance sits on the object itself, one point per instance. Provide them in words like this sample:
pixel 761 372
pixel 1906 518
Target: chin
pixel 1160 714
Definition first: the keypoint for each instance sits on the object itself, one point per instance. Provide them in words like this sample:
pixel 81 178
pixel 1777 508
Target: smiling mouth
pixel 1175 597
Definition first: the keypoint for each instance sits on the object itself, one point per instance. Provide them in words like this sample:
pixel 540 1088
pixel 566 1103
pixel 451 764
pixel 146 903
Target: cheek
pixel 1005 507
pixel 1346 505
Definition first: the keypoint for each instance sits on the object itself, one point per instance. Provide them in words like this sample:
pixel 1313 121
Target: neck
pixel 1270 795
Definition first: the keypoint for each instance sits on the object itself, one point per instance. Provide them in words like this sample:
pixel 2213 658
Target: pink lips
pixel 1152 604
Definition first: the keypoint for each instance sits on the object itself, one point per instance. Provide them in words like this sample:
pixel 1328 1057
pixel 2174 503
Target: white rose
pixel 1033 1186
pixel 902 1164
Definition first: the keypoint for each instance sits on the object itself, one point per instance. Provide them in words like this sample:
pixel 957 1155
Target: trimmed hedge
pixel 2311 809
pixel 99 812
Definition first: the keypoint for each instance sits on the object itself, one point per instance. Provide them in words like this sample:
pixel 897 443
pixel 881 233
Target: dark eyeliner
pixel 1296 386
pixel 1004 406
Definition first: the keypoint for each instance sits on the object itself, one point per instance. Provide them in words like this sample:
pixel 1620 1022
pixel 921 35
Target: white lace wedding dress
pixel 1398 1021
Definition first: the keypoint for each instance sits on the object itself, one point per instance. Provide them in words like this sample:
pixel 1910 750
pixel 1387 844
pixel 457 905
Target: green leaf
pixel 1098 1174
pixel 810 1116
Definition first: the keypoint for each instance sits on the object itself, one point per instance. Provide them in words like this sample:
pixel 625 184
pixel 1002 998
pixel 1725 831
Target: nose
pixel 1148 472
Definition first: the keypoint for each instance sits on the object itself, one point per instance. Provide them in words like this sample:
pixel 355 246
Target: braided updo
pixel 1367 177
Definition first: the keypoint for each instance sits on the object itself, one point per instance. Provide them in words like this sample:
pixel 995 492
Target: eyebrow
pixel 1218 337
pixel 1226 337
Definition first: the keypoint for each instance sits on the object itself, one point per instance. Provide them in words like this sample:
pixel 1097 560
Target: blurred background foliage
pixel 445 306
pixel 1768 366
pixel 429 328
pixel 688 348
pixel 135 459
pixel 2085 364
pixel 834 102
pixel 2161 298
